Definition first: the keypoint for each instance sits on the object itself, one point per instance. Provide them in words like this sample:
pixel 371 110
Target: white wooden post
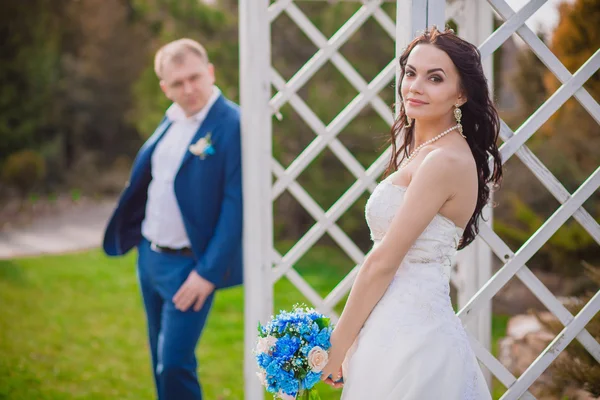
pixel 255 92
pixel 436 13
pixel 412 15
pixel 475 269
pixel 475 262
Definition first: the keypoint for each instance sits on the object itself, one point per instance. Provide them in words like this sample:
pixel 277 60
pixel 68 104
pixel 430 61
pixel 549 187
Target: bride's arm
pixel 430 188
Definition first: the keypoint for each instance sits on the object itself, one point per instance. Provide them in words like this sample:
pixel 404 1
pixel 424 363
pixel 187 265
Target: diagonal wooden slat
pixel 539 289
pixel 317 145
pixel 542 114
pixel 527 251
pixel 548 58
pixel 277 8
pixel 386 22
pixel 306 289
pixel 342 153
pixel 553 350
pixel 324 54
pixel 495 367
pixel 558 309
pixel 543 174
pixel 379 15
pixel 338 61
pixel 342 288
pixel 318 214
pixel 335 212
pixel 513 23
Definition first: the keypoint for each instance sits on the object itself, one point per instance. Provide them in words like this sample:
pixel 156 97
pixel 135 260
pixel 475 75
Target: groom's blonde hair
pixel 176 51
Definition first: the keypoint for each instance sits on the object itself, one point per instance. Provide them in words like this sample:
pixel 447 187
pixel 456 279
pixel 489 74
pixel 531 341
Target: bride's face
pixel 431 84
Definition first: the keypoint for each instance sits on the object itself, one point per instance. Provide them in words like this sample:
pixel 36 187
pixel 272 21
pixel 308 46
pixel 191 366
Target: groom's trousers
pixel 173 335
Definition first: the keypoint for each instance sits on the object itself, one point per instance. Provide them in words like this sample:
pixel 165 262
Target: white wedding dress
pixel 413 346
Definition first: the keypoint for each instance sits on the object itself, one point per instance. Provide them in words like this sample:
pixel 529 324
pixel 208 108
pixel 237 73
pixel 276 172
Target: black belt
pixel 184 251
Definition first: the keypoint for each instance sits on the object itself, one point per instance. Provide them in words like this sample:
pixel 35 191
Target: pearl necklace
pixel 415 151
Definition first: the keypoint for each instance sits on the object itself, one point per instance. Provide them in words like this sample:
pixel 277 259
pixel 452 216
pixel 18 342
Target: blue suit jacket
pixel 209 194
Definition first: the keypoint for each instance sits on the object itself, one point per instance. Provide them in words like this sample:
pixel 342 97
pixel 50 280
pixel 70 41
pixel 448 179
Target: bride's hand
pixel 332 373
pixel 338 382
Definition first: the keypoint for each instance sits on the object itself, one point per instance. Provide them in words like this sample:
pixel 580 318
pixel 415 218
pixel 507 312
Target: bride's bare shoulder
pixel 450 165
pixel 445 158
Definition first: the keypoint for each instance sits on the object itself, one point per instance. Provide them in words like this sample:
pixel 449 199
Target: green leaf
pixel 323 322
pixel 301 373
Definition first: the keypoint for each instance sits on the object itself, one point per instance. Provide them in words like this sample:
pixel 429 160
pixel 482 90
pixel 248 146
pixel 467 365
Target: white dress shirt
pixel 163 223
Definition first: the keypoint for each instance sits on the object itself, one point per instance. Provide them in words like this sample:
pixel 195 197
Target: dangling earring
pixel 458 116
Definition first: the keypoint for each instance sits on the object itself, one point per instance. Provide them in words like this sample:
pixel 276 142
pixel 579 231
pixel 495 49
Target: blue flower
pixel 263 360
pixel 272 386
pixel 311 379
pixel 274 369
pixel 305 349
pixel 286 347
pixel 311 332
pixel 322 339
pixel 290 385
pixel 304 330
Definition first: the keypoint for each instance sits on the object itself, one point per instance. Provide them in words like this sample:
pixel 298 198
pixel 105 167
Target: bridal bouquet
pixel 291 352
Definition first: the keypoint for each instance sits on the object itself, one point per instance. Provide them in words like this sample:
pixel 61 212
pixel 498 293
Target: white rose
pixel 264 344
pixel 317 359
pixel 262 377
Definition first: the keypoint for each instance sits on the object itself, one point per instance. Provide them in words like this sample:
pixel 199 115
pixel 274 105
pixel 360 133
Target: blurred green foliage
pixel 23 169
pixel 77 86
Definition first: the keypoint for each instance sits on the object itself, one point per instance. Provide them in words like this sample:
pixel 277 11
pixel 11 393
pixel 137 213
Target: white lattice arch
pixel 264 266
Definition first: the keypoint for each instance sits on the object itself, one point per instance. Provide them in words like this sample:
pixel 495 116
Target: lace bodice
pixel 435 246
pixel 412 343
pixel 415 314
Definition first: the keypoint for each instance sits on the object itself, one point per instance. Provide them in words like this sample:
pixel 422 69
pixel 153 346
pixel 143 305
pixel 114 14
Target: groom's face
pixel 188 82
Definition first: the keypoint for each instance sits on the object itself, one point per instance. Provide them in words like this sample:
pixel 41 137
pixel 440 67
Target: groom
pixel 182 209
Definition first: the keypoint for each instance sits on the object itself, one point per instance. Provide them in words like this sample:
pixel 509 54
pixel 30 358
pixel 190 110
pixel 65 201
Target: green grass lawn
pixel 72 327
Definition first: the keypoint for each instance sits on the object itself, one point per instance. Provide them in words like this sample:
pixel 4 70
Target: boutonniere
pixel 203 147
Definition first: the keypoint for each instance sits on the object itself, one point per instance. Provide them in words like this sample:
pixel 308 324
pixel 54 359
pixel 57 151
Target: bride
pixel 398 337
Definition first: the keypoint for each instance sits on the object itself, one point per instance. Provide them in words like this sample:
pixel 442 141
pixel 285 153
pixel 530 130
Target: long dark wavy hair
pixel 480 121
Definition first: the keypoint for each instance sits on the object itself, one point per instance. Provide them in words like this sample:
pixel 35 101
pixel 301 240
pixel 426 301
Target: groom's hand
pixel 194 291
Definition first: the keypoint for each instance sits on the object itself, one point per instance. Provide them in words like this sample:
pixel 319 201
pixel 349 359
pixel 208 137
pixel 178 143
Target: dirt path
pixel 66 229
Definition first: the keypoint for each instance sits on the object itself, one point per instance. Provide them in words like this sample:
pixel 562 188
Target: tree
pixel 576 39
pixel 32 36
pixel 97 77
